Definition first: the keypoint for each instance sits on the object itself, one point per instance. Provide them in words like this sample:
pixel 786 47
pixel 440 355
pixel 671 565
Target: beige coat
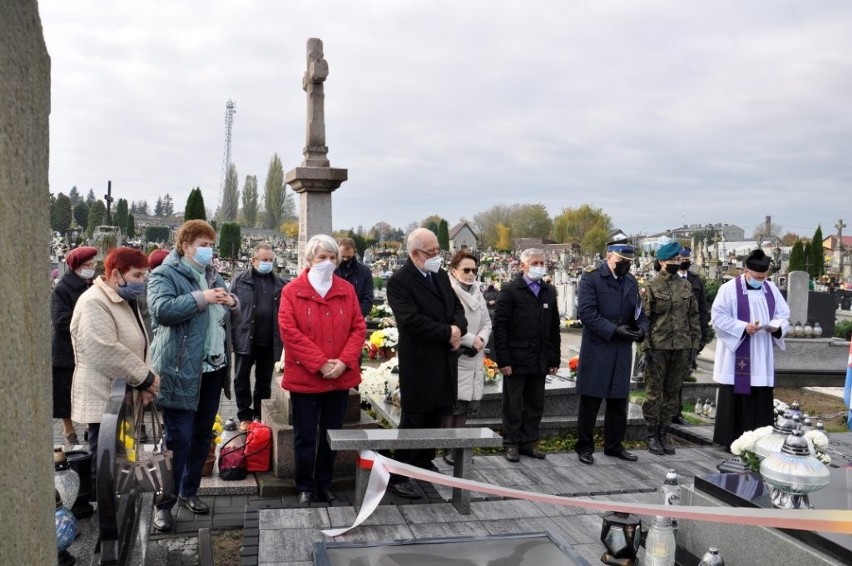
pixel 108 343
pixel 471 368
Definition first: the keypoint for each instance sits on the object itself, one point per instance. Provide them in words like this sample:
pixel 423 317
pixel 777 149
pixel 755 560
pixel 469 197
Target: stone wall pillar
pixel 26 466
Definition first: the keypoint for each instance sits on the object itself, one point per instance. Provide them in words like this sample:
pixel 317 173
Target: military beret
pixel 668 251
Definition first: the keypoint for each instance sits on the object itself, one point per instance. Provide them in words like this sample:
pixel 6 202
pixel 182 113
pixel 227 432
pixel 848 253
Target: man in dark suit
pixel 431 323
pixel 612 317
pixel 527 341
pixel 703 317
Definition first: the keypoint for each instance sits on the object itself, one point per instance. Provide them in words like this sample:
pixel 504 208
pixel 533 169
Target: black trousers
pixel 313 415
pixel 736 413
pixel 420 457
pixel 615 424
pixel 523 406
pixel 248 405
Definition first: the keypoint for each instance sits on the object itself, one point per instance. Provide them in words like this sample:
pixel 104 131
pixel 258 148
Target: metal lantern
pixel 65 480
pixel 712 414
pixel 809 330
pixel 712 558
pixel 699 406
pixel 706 410
pixel 798 330
pixel 621 534
pixel 793 473
pixel 66 530
pixel 795 409
pixel 772 443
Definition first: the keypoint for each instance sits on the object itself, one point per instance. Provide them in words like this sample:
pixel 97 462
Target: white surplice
pixel 729 333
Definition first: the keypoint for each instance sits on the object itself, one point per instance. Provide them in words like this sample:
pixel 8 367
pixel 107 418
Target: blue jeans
pixel 189 434
pixel 313 415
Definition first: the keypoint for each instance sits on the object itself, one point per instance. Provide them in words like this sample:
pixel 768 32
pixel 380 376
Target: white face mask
pixel 85 273
pixel 433 264
pixel 536 272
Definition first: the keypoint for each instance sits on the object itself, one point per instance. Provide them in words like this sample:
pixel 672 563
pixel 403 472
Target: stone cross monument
pixel 315 179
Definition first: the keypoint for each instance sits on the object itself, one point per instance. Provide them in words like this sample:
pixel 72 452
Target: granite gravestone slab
pixel 797 295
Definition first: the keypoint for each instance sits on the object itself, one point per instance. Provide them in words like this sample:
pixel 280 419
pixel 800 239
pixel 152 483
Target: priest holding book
pixel 750 318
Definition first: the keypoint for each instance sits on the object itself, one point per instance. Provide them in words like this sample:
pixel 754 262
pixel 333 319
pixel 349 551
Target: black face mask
pixel 622 268
pixel 345 263
pixel 672 268
pixel 684 265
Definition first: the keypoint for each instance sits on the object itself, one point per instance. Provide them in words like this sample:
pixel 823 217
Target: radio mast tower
pixel 230 110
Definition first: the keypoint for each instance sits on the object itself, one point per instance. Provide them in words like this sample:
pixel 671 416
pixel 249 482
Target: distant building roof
pixel 458 227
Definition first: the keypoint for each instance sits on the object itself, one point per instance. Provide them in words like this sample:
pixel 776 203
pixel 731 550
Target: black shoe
pixel 533 453
pixel 328 495
pixel 193 504
pixel 679 420
pixel 164 521
pixel 448 458
pixel 623 455
pixel 305 497
pixel 405 489
pixel 512 454
pixel 664 441
pixel 587 458
pixel 432 467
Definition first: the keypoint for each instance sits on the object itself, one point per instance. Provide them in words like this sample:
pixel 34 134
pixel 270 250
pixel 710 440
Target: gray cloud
pixel 657 112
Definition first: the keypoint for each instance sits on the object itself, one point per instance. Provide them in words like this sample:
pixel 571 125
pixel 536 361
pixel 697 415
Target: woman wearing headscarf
pixel 463 271
pixel 192 313
pixel 323 332
pixel 110 341
pixel 81 269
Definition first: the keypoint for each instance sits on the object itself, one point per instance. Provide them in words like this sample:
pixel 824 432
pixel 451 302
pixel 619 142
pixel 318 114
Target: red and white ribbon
pixel 837 521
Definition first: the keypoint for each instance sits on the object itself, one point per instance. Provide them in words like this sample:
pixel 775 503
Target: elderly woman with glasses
pixel 463 271
pixel 323 332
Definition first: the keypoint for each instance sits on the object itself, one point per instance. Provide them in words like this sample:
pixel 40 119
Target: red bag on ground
pixel 258 450
pixel 232 459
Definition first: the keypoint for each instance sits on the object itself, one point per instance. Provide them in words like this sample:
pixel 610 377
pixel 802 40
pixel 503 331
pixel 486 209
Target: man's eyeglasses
pixel 469 270
pixel 429 255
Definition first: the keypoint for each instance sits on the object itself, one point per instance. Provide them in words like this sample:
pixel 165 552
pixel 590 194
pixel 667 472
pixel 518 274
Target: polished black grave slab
pixel 534 549
pixel 749 490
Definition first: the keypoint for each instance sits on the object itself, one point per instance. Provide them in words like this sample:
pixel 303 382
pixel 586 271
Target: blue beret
pixel 668 251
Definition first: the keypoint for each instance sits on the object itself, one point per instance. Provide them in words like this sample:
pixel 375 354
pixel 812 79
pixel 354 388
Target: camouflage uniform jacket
pixel 673 311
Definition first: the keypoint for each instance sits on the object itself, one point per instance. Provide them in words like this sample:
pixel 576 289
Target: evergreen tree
pixel 81 214
pixel 230 195
pixel 158 208
pixel 168 205
pixel 797 257
pixel 90 198
pixel 60 214
pixel 74 196
pixel 97 216
pixel 121 213
pixel 158 234
pixel 274 195
pixel 195 206
pixel 432 226
pixel 808 257
pixel 142 208
pixel 818 258
pixel 230 239
pixel 443 235
pixel 250 201
pixel 131 227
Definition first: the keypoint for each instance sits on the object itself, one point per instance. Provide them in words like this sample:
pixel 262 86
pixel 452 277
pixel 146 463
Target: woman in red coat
pixel 323 332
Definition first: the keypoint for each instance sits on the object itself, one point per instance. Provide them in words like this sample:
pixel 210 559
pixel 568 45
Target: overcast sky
pixel 660 113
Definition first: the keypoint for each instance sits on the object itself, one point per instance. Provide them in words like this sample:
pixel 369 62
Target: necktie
pixel 432 282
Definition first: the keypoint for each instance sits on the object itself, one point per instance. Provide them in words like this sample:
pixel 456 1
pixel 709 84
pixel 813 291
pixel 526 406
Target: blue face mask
pixel 203 256
pixel 131 290
pixel 754 283
pixel 264 267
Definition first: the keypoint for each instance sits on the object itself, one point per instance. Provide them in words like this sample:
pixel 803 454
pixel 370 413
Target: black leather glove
pixel 640 335
pixel 693 358
pixel 623 332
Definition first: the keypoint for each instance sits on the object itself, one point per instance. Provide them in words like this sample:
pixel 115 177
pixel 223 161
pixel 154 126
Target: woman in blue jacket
pixel 192 314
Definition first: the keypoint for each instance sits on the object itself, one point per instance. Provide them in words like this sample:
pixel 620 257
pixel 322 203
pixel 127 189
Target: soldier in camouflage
pixel 674 333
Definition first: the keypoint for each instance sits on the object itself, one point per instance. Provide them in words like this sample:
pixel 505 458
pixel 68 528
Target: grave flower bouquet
pixel 492 372
pixel 573 365
pixel 743 447
pixel 378 381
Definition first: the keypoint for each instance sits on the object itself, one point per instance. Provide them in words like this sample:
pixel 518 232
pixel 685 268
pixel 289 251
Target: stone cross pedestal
pixel 315 179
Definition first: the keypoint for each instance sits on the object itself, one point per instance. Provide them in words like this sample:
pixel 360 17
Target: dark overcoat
pixel 526 328
pixel 62 301
pixel 428 369
pixel 604 303
pixel 243 332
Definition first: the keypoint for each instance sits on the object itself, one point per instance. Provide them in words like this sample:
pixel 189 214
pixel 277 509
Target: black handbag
pixel 148 472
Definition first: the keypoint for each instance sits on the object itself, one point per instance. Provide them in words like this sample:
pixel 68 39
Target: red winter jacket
pixel 316 329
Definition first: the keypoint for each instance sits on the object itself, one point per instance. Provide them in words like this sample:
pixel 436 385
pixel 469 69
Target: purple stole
pixel 742 359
